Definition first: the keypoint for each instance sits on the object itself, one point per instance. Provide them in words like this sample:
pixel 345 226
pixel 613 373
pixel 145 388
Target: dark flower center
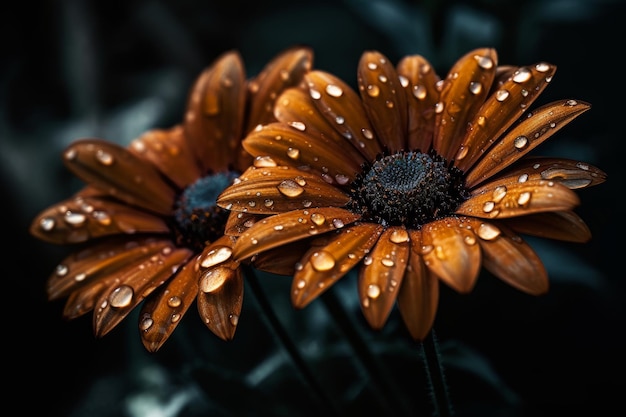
pixel 198 219
pixel 408 188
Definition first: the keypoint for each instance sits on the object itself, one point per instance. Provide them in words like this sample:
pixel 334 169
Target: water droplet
pixel 212 280
pixel 524 198
pixel 322 261
pixel 290 188
pixel 216 256
pixel 542 67
pixel 475 87
pixel 318 219
pixel 373 291
pixel 233 319
pixel 146 323
pixel 334 90
pixel 174 301
pixel 419 91
pixel 298 125
pixel 520 142
pixel 439 107
pixel 487 231
pixel 399 236
pixel 47 224
pixel 264 161
pixel 61 270
pixel 387 262
pixel 484 61
pixel 74 219
pixel 293 153
pixel 104 158
pixel 522 75
pixel 367 260
pixel 499 193
pixel 489 206
pixel 502 95
pixel 121 296
pixel 373 90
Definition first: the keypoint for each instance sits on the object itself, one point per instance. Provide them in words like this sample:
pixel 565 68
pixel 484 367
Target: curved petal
pixel 80 219
pixel 238 222
pixel 285 145
pixel 278 189
pixel 296 108
pixel 168 150
pixel 419 293
pixel 322 266
pixel 163 309
pixel 501 110
pixel 528 134
pixel 463 92
pixel 511 259
pixel 381 275
pixel 450 251
pixel 283 261
pixel 215 112
pixel 132 285
pixel 572 174
pixel 560 225
pixel 343 109
pixel 99 261
pixel 289 227
pixel 419 80
pixel 120 173
pixel 220 298
pixel 384 100
pixel 285 70
pixel 518 199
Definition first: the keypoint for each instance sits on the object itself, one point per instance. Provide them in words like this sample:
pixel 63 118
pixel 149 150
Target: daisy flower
pixel 146 228
pixel 411 181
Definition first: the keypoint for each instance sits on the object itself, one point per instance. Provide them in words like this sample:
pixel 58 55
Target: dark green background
pixel 114 69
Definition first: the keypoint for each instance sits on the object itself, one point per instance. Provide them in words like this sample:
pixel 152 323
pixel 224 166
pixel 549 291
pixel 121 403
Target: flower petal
pixel 342 107
pixel 559 225
pixel 289 227
pixel 220 305
pixel 162 311
pixel 450 251
pixel 280 261
pixel 168 150
pixel 511 259
pixel 384 100
pixel 100 261
pixel 215 112
pixel 420 80
pixel 238 222
pixel 517 199
pixel 134 283
pixel 80 219
pixel 419 293
pixel 322 266
pixel 285 70
pixel 501 110
pixel 463 92
pixel 278 189
pixel 572 174
pixel 381 275
pixel 532 131
pixel 120 173
pixel 296 108
pixel 285 145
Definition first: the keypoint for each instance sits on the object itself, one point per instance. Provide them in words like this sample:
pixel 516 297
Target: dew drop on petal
pixel 174 301
pixel 520 142
pixel 104 158
pixel 318 219
pixel 293 153
pixel 334 90
pixel 499 193
pixel 322 261
pixel 475 87
pixel 489 206
pixel 145 323
pixel 373 291
pixel 290 188
pixel 233 319
pixel 399 236
pixel 121 296
pixel 47 224
pixel 373 90
pixel 488 231
pixel 522 75
pixel 211 280
pixel 524 198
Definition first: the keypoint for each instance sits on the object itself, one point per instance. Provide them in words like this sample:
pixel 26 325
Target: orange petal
pixel 572 174
pixel 450 251
pixel 384 100
pixel 120 173
pixel 422 95
pixel 501 110
pixel 463 92
pixel 322 266
pixel 285 70
pixel 162 311
pixel 285 145
pixel 296 108
pixel 132 286
pixel 285 228
pixel 278 189
pixel 84 218
pixel 511 259
pixel 524 137
pixel 280 261
pixel 220 299
pixel 168 150
pixel 517 199
pixel 342 107
pixel 100 261
pixel 238 222
pixel 561 225
pixel 215 111
pixel 381 275
pixel 419 293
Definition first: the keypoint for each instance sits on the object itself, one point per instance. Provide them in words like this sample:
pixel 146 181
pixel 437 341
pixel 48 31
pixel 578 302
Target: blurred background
pixel 113 69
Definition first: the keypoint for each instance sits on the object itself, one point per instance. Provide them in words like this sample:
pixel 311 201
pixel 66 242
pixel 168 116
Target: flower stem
pixel 436 378
pixel 281 334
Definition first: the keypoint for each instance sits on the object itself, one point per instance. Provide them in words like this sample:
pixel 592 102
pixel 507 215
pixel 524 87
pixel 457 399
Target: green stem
pixel 281 334
pixel 436 378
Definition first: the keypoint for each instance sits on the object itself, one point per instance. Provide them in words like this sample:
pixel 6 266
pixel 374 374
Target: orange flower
pixel 148 218
pixel 410 181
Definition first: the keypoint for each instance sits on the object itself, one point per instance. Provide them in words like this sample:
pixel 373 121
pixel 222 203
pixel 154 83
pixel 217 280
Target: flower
pixel 411 181
pixel 147 217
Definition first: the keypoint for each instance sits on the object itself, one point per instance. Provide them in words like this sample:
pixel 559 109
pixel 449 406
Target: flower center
pixel 408 188
pixel 198 219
